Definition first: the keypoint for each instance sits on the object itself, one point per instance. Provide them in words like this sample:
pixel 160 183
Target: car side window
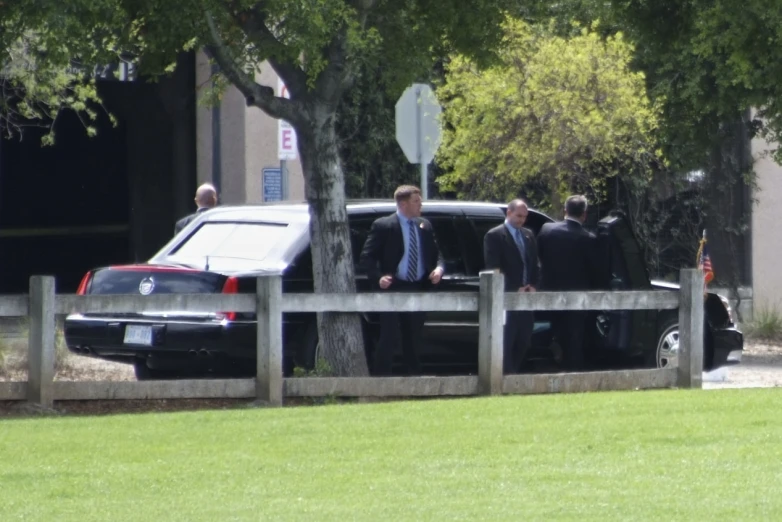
pixel 450 244
pixel 301 267
pixel 482 225
pixel 472 246
pixel 359 230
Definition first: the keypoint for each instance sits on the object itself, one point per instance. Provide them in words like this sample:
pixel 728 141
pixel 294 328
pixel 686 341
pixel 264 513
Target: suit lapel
pixel 396 230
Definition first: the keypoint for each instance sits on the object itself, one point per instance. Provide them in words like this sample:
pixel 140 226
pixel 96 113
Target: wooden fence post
pixel 268 301
pixel 491 310
pixel 691 297
pixel 40 342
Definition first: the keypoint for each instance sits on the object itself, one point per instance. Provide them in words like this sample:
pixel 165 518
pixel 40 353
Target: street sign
pixel 286 136
pixel 418 127
pixel 272 185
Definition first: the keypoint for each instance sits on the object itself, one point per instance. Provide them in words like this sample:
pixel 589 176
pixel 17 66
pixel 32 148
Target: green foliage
pixel 322 369
pixel 373 161
pixel 48 57
pixel 564 112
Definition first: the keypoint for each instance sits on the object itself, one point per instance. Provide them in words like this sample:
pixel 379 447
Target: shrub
pixel 766 324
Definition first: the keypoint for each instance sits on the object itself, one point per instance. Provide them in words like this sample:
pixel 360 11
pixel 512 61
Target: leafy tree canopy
pixel 43 50
pixel 567 112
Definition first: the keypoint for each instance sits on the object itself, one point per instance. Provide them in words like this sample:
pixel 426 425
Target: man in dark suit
pixel 511 248
pixel 401 254
pixel 205 198
pixel 569 259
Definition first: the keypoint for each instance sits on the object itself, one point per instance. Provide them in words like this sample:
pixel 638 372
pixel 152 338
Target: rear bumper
pixel 728 347
pixel 104 337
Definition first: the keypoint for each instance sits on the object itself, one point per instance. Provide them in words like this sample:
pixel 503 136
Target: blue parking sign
pixel 272 184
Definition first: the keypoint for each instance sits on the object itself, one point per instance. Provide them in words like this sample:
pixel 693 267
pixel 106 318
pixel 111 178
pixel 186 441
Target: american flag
pixel 704 260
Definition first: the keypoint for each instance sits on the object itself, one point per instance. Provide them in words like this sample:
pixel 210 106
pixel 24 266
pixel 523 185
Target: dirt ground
pixel 761 366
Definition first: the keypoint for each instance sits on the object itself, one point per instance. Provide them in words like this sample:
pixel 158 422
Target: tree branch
pixel 363 7
pixel 253 23
pixel 257 95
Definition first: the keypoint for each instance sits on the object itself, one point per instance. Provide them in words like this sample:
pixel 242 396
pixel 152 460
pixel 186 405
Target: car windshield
pixel 225 245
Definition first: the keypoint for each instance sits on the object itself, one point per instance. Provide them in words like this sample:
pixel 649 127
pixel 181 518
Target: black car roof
pixel 296 211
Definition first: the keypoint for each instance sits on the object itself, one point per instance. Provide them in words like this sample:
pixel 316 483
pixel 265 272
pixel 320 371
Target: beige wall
pixel 766 234
pixel 248 143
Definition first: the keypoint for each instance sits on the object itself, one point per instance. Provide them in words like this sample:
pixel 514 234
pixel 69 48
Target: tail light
pixel 85 281
pixel 231 286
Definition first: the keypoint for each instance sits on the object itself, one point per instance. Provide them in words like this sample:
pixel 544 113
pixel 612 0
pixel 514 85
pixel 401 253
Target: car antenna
pixel 206 268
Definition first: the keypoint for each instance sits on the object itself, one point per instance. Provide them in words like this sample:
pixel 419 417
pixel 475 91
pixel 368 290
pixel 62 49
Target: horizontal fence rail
pixel 382 302
pixel 14 305
pixel 269 304
pixel 619 300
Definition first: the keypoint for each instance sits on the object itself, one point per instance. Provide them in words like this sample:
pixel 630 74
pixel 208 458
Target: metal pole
pixel 420 142
pixel 284 178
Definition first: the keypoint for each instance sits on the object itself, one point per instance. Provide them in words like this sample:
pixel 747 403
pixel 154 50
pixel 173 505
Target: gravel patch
pixel 761 367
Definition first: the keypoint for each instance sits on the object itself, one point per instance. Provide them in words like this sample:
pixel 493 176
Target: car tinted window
pixel 481 226
pixel 301 266
pixel 230 245
pixel 472 246
pixel 359 230
pixel 450 244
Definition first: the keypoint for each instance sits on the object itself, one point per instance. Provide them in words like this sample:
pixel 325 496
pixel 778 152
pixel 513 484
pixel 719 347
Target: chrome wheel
pixel 668 347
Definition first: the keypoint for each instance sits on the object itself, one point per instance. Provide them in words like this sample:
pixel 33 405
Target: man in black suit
pixel 401 254
pixel 511 248
pixel 205 198
pixel 569 259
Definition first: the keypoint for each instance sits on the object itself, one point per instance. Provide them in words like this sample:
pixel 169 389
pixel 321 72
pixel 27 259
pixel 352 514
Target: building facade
pixel 238 147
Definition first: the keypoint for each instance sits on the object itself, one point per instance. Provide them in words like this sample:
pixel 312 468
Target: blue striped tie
pixel 523 251
pixel 412 257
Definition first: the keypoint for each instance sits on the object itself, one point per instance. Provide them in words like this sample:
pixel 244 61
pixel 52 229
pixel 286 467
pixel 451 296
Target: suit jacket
pixel 569 257
pixel 182 223
pixel 385 246
pixel 500 252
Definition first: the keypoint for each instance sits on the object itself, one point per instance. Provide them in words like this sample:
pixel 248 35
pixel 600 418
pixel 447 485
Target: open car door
pixel 626 331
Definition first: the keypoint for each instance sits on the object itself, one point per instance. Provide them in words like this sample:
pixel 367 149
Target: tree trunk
pixel 341 339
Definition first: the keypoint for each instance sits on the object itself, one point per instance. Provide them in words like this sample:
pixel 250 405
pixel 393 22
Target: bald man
pixel 511 249
pixel 205 198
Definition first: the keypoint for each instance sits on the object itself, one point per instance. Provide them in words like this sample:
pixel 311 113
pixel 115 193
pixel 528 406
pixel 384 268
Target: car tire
pixel 666 350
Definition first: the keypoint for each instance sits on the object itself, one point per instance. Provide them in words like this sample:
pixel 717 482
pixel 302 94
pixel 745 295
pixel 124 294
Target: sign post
pixel 418 128
pixel 287 145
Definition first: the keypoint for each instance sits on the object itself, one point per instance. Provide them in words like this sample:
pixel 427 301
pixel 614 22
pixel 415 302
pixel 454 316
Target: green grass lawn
pixel 662 455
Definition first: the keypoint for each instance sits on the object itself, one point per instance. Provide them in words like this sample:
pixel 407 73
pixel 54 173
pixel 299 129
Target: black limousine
pixel 226 248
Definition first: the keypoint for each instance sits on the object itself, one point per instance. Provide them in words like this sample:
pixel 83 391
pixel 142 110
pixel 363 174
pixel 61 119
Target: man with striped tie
pixel 401 254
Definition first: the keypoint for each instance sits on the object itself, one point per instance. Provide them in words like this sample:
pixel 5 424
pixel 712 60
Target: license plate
pixel 138 335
